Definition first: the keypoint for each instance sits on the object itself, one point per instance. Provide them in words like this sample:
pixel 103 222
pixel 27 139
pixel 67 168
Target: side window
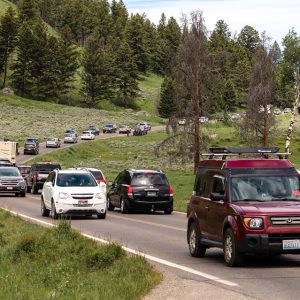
pixel 202 185
pixel 218 185
pixel 198 184
pixel 127 179
pixel 51 177
pixel 121 178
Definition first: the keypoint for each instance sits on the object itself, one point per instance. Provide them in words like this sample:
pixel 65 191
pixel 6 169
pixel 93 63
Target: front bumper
pixel 75 209
pixel 13 189
pixel 29 150
pixel 266 244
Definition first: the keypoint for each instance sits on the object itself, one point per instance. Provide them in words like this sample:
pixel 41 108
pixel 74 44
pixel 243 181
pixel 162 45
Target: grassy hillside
pixel 59 263
pixel 20 117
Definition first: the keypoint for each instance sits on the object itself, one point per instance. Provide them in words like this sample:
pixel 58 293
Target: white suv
pixel 72 192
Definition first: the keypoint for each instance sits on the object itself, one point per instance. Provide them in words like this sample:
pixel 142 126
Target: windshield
pixel 109 125
pixel 28 141
pixel 46 167
pixel 265 188
pixel 9 172
pixel 149 179
pixel 25 170
pixel 82 180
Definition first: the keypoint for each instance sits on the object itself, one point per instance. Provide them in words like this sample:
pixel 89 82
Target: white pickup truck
pixel 9 151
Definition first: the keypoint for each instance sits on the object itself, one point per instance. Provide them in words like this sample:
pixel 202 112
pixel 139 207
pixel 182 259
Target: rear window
pixel 83 180
pixel 25 170
pixel 46 167
pixel 98 175
pixel 149 179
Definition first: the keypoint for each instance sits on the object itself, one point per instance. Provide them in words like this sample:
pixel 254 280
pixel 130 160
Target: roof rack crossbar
pixel 251 150
pixel 266 155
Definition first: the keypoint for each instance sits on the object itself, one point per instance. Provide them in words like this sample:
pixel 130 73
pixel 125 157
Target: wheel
pixel 28 189
pixel 101 216
pixel 44 211
pixel 232 257
pixel 110 207
pixel 34 189
pixel 195 246
pixel 124 208
pixel 23 194
pixel 54 214
pixel 169 210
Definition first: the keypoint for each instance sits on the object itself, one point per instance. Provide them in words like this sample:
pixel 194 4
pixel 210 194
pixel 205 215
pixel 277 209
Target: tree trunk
pixel 197 127
pixel 266 126
pixel 5 70
pixel 292 122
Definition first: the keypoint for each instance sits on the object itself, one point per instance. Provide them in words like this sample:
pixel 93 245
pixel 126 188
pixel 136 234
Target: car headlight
pixel 63 195
pixel 98 196
pixel 254 223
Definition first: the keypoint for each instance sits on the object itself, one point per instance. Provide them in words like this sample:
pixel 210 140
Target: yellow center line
pixel 147 222
pixel 136 220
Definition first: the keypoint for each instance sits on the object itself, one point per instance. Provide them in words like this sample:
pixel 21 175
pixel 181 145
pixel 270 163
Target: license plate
pixel 9 188
pixel 151 194
pixel 82 203
pixel 291 244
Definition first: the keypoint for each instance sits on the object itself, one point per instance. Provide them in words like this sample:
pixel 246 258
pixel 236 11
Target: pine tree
pixel 28 11
pixel 166 106
pixel 249 38
pixel 21 75
pixel 127 74
pixel 8 40
pixel 97 72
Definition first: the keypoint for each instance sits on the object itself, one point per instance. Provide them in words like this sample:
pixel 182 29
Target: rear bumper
pixel 148 205
pixel 265 244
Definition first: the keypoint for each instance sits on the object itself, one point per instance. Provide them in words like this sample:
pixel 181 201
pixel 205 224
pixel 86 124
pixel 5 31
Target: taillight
pixel 129 190
pixel 102 180
pixel 171 191
pixel 36 176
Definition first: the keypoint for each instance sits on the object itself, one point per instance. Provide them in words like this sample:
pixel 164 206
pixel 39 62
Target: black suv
pixel 31 146
pixel 140 190
pixel 38 175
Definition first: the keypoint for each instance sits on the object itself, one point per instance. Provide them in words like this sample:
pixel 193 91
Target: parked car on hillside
pixel 70 138
pixel 72 192
pixel 87 135
pixel 124 129
pixel 31 146
pixel 11 181
pixel 277 111
pixel 94 130
pixel 244 206
pixel 140 130
pixel 235 117
pixel 182 122
pixel 110 128
pixel 144 190
pixel 53 142
pixel 203 120
pixel 38 175
pixel 145 124
pixel 287 110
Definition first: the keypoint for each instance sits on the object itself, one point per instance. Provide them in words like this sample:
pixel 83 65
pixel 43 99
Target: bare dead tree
pixel 259 122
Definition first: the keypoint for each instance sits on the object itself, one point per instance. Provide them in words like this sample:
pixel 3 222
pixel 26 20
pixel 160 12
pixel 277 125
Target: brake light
pixel 171 191
pixel 102 180
pixel 36 176
pixel 129 190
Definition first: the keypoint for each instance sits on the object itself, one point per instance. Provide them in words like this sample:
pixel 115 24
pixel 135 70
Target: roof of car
pixel 88 169
pixel 23 166
pixel 144 171
pixel 73 171
pixel 246 163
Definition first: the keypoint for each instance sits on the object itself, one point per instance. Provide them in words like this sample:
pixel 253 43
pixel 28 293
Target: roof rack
pixel 223 152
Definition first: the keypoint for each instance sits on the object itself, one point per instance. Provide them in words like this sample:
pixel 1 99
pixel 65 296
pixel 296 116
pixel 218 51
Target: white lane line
pixel 135 252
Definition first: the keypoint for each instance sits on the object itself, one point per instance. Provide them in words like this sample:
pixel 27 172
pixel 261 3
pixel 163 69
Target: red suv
pixel 244 205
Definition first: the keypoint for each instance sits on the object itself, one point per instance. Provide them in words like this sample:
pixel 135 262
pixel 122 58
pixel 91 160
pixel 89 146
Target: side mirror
pixel 216 197
pixel 110 183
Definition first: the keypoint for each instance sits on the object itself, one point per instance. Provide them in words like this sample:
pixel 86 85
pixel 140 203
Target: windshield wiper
pixel 249 199
pixel 285 199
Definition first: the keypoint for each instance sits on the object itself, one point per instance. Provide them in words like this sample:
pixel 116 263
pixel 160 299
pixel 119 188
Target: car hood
pixel 79 190
pixel 8 178
pixel 278 207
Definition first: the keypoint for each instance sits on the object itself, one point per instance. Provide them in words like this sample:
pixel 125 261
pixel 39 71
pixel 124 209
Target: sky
pixel 276 17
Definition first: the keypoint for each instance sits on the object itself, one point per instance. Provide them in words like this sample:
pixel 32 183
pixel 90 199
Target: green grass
pixel 21 118
pixel 114 155
pixel 4 5
pixel 59 263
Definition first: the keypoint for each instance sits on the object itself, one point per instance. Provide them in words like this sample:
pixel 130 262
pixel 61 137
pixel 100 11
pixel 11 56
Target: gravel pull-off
pixel 174 287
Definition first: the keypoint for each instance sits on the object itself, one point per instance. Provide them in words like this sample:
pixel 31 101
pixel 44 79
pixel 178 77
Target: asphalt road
pixel 163 239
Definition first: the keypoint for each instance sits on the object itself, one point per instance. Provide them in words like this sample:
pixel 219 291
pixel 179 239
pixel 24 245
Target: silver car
pixel 53 143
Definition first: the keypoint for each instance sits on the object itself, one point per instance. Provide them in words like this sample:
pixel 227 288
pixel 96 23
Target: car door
pixel 48 189
pixel 113 192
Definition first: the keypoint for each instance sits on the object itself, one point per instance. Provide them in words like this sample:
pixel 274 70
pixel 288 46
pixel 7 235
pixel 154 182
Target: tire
pixel 101 216
pixel 28 189
pixel 169 210
pixel 110 207
pixel 54 214
pixel 195 247
pixel 34 189
pixel 123 207
pixel 23 194
pixel 44 211
pixel 232 257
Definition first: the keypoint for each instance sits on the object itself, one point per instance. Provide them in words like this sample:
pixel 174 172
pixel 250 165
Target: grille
pixel 82 196
pixel 9 182
pixel 285 220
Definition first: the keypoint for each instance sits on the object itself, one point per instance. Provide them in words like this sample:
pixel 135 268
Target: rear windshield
pixel 82 180
pixel 98 175
pixel 46 167
pixel 30 141
pixel 51 140
pixel 14 172
pixel 149 179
